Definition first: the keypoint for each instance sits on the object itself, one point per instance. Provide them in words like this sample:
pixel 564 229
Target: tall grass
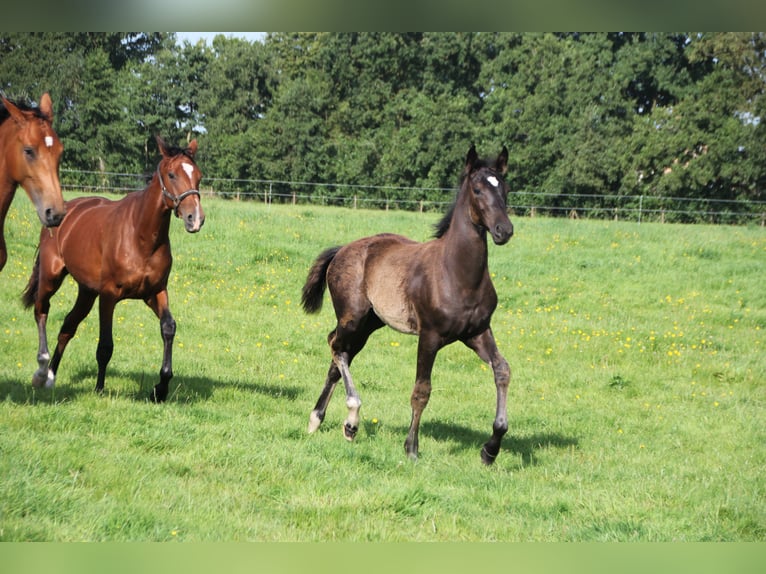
pixel 636 405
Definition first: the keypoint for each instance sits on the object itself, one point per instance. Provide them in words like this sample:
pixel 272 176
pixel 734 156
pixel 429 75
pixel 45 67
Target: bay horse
pixel 439 290
pixel 116 250
pixel 30 152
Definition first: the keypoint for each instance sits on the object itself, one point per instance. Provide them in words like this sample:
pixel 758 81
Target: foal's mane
pixel 442 226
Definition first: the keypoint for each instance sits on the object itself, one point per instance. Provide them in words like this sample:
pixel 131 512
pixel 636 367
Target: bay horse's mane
pixel 23 106
pixel 172 151
pixel 442 226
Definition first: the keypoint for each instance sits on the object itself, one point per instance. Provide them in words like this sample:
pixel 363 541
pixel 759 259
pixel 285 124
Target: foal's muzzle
pixel 501 233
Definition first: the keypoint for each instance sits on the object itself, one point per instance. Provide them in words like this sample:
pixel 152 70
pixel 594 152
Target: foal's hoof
pixel 314 421
pixel 349 431
pixel 43 379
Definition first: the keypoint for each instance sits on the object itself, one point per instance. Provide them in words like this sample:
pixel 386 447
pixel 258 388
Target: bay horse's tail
pixel 313 290
pixel 30 292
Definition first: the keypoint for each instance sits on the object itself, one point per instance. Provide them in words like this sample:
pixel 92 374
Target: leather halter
pixel 176 199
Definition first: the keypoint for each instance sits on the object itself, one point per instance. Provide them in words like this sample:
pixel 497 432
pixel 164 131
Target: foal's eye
pixel 477 190
pixel 29 152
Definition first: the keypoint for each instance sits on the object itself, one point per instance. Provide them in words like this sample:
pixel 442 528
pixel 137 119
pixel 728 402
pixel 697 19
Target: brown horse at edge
pixel 30 152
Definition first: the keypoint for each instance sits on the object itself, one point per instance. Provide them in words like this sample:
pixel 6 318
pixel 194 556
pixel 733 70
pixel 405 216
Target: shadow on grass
pixel 183 389
pixel 469 438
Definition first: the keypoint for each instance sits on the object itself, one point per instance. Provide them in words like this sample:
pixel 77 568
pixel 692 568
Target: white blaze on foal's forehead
pixel 493 180
pixel 188 168
pixel 48 141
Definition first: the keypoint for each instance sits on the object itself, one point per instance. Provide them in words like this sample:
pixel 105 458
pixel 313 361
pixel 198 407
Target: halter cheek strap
pixel 176 199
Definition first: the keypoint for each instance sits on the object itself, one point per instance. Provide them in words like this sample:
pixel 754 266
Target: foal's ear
pixel 46 107
pixel 191 150
pixel 471 159
pixel 501 164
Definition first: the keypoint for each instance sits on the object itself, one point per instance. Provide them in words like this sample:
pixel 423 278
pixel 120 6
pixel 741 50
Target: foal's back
pixel 388 273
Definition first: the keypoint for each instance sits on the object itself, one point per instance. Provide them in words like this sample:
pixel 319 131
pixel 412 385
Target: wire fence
pixel 636 208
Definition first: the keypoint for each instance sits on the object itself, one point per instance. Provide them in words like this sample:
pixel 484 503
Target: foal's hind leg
pixel 80 310
pixel 344 344
pixel 484 345
pixel 317 415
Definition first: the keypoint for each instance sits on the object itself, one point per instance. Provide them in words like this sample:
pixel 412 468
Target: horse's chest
pixel 141 277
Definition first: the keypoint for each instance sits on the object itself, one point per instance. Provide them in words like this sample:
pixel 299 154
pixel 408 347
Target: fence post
pixel 293 198
pixel 640 207
pixel 354 201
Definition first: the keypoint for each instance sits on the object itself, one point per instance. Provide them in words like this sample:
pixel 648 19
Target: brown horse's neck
pixel 465 251
pixel 153 216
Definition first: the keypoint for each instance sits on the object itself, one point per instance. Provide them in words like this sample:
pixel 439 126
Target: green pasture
pixel 637 401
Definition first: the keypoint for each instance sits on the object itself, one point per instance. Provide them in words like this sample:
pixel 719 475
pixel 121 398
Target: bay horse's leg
pixel 484 345
pixel 6 197
pixel 80 310
pixel 43 376
pixel 105 346
pixel 159 304
pixel 428 346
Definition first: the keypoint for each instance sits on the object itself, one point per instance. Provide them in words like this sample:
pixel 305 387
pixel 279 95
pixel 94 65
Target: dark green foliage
pixel 600 114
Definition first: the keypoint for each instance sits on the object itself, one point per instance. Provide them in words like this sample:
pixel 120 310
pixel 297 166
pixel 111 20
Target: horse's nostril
pixel 53 217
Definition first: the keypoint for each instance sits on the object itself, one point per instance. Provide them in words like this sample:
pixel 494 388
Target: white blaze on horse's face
pixel 493 180
pixel 188 168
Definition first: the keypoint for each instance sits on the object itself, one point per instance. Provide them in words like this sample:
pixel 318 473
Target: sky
pixel 193 37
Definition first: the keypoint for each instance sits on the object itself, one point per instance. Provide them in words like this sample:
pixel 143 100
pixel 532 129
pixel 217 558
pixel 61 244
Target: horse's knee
pixel 502 371
pixel 168 327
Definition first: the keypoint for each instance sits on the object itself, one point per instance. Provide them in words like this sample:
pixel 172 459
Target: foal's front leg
pixel 159 304
pixel 428 346
pixel 484 345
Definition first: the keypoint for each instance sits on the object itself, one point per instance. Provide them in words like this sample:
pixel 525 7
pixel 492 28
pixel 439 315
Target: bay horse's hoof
pixel 349 431
pixel 43 379
pixel 158 396
pixel 486 457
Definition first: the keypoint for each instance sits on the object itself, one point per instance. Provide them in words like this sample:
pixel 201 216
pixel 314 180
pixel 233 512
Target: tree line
pixel 582 114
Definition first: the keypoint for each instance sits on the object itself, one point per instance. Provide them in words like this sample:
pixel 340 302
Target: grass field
pixel 636 404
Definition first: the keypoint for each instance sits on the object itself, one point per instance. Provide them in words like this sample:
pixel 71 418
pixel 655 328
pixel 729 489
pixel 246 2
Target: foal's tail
pixel 313 290
pixel 30 292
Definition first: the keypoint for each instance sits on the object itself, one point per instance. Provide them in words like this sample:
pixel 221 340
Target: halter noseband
pixel 176 199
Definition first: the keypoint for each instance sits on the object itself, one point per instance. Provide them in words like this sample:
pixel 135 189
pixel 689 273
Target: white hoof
pixel 314 422
pixel 44 378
